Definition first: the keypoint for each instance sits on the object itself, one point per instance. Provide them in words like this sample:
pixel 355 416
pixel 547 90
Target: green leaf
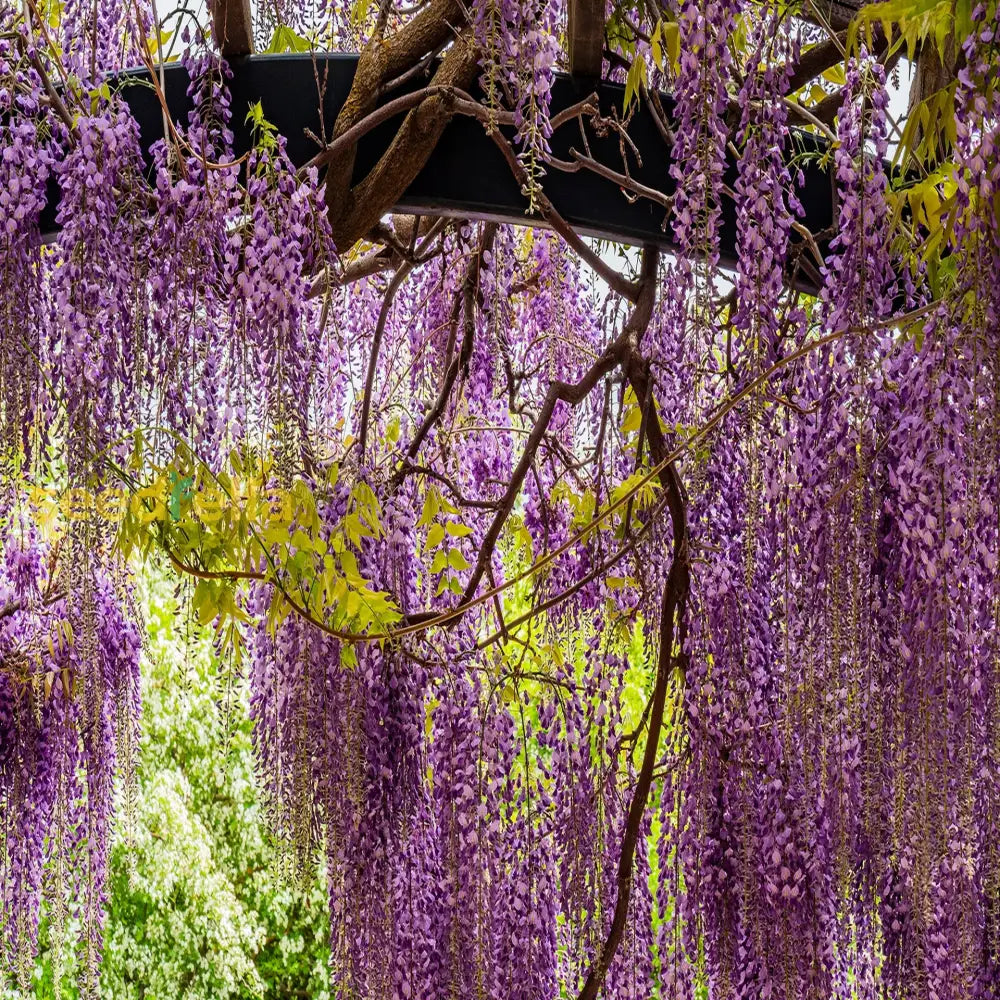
pixel 634 81
pixel 359 12
pixel 181 490
pixel 432 504
pixel 457 561
pixel 205 601
pixel 352 603
pixel 155 44
pixel 255 117
pixel 672 39
pixel 632 421
pixel 301 541
pixel 349 564
pixel 285 39
pixel 656 46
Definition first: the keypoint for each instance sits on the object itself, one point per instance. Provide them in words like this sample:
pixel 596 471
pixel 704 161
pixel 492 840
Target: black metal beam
pixel 466 174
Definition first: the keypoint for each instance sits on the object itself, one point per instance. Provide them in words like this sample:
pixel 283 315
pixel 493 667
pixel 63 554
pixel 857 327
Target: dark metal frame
pixel 467 175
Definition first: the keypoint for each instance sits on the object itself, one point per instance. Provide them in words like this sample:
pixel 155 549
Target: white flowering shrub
pixel 195 909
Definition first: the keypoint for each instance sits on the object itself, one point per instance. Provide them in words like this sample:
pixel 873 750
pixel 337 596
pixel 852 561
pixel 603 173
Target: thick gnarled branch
pixel 355 209
pixel 232 27
pixel 671 635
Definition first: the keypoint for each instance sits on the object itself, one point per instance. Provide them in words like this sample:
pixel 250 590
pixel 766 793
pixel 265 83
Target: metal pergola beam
pixel 585 37
pixel 466 174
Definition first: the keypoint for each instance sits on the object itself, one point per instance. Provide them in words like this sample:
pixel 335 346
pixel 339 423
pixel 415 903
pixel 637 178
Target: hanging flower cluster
pixel 519 41
pixel 700 135
pixel 65 724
